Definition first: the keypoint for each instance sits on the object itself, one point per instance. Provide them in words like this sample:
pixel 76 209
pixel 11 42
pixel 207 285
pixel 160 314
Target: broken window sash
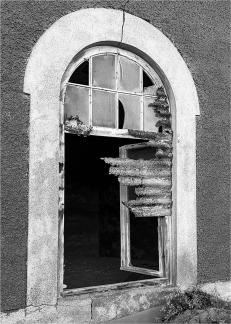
pixel 147 203
pixel 76 103
pixel 103 71
pixel 103 108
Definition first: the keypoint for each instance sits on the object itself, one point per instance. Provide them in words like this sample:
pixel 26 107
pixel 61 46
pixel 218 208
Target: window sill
pixel 156 282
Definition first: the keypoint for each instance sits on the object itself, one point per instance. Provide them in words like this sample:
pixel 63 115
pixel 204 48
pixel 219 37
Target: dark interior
pixel 81 74
pixel 92 217
pixel 147 82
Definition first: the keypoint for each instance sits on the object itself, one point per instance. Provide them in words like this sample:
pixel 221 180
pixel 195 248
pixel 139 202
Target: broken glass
pixel 150 86
pixel 131 106
pixel 129 75
pixel 77 103
pixel 103 108
pixel 103 71
pixel 81 74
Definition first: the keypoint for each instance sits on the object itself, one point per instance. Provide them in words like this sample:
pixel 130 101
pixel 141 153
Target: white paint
pixel 50 57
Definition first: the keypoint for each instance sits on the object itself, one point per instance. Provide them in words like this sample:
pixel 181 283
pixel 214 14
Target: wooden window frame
pixel 164 225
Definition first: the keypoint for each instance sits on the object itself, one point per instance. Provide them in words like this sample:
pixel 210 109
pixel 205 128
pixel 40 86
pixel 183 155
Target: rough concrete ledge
pixel 221 289
pixel 92 308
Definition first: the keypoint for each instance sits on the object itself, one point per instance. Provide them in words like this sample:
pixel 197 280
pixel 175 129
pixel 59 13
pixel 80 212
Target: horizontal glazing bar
pixel 110 90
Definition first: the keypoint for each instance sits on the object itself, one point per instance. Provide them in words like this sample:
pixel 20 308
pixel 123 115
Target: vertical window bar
pixel 117 94
pixel 142 100
pixel 90 94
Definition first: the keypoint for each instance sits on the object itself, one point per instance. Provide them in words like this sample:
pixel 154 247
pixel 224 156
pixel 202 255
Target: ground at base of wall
pixel 94 307
pixel 144 303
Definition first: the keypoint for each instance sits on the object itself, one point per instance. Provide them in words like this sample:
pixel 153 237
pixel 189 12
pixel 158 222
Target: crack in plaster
pixel 122 29
pixel 38 308
pixel 91 318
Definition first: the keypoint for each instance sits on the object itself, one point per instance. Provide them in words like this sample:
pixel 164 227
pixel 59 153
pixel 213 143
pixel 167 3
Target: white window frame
pixel 44 76
pixel 104 50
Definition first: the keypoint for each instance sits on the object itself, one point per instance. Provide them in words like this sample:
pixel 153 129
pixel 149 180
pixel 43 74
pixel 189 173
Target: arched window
pixel 44 79
pixel 111 88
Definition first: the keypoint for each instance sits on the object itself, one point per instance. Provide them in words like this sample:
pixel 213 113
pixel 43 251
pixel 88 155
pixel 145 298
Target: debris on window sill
pixel 74 125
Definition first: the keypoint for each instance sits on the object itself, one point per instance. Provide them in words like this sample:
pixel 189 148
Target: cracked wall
pixel 201 33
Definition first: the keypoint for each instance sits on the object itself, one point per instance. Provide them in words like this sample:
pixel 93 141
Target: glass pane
pixel 81 74
pixel 150 118
pixel 129 75
pixel 129 111
pixel 150 86
pixel 103 108
pixel 103 71
pixel 77 103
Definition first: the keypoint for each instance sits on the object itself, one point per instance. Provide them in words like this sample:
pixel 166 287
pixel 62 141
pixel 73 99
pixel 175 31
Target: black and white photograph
pixel 115 161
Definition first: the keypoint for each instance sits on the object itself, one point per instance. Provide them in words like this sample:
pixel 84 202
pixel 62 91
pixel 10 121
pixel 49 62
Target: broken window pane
pixel 77 103
pixel 81 74
pixel 103 71
pixel 129 75
pixel 150 118
pixel 103 108
pixel 131 106
pixel 150 86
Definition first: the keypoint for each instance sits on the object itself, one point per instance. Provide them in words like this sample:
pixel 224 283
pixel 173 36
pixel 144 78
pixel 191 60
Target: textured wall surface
pixel 200 30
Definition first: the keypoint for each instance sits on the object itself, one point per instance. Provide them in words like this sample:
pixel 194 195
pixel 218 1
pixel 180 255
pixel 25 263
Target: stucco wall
pixel 200 30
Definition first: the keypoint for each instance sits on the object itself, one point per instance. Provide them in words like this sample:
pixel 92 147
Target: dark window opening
pixel 147 82
pixel 92 216
pixel 121 115
pixel 81 74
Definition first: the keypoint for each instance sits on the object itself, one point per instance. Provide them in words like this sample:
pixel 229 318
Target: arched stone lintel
pixel 47 63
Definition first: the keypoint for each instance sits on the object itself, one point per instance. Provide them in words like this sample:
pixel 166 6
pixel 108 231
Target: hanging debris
pixel 153 191
pixel 163 154
pixel 144 201
pixel 152 211
pixel 150 135
pixel 140 172
pixel 153 163
pixel 75 126
pixel 137 181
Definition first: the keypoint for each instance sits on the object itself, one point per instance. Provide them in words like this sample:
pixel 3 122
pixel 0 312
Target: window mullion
pixel 117 94
pixel 141 100
pixel 90 93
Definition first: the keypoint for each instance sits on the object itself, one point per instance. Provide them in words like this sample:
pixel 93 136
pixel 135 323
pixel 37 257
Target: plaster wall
pixel 200 31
